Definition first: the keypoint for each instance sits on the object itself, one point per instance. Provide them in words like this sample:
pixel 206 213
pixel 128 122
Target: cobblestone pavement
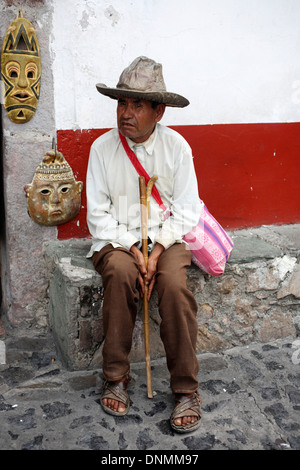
pixel 251 400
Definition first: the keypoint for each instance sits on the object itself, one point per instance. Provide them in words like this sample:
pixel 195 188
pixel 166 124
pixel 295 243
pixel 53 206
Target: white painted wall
pixel 237 61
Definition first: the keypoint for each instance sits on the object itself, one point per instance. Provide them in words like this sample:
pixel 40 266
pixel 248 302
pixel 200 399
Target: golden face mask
pixel 20 70
pixel 54 196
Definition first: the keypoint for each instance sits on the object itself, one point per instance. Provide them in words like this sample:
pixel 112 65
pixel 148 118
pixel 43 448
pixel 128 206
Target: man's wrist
pixel 157 250
pixel 134 248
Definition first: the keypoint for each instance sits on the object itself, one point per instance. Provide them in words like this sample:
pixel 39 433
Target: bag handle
pixel 141 171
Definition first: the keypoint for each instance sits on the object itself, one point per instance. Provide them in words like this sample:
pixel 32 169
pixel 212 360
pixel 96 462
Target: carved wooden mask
pixel 20 70
pixel 54 196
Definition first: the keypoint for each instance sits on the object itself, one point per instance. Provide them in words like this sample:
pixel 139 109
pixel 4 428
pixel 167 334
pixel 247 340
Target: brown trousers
pixel 177 308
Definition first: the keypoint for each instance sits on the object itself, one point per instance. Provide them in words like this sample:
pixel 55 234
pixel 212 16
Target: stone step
pixel 256 300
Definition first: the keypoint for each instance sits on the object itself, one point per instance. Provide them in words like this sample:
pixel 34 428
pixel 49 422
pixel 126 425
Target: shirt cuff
pixel 127 240
pixel 166 242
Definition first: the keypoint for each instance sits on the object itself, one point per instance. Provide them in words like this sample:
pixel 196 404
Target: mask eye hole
pixel 65 189
pixel 31 70
pixel 13 70
pixel 46 192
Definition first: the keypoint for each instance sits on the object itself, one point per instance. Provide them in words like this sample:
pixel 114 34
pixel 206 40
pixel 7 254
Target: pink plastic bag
pixel 210 245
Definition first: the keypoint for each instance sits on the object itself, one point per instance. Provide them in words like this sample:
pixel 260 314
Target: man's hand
pixel 152 267
pixel 147 276
pixel 141 262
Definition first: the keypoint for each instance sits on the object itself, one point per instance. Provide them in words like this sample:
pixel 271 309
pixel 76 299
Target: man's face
pixel 136 118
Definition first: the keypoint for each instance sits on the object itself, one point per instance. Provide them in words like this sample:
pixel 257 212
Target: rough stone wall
pixel 252 302
pixel 23 270
pixel 257 299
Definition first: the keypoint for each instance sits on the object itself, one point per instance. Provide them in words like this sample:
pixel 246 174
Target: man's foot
pixel 114 405
pixel 186 416
pixel 114 398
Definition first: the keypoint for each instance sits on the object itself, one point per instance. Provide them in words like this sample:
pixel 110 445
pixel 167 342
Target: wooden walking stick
pixel 145 202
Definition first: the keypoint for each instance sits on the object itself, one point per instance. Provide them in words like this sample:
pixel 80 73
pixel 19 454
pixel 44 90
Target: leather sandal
pixel 116 391
pixel 186 406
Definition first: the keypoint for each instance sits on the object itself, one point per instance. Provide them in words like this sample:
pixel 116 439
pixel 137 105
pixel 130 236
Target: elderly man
pixel 113 217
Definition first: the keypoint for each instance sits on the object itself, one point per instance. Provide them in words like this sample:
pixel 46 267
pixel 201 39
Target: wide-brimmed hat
pixel 143 79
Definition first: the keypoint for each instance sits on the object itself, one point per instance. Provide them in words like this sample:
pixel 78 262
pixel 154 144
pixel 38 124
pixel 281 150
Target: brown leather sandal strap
pixel 187 406
pixel 115 391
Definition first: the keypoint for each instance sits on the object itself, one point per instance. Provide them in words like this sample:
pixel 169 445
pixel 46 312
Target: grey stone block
pixel 75 314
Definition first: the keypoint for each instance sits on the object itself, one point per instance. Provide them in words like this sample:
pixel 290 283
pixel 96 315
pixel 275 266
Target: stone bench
pixel 257 298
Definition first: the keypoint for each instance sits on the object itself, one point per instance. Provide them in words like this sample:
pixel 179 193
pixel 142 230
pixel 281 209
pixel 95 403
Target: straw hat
pixel 143 79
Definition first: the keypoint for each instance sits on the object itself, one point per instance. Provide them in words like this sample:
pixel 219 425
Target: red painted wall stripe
pixel 248 174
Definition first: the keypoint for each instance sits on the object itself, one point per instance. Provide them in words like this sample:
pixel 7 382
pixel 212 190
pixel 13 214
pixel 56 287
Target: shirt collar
pixel 148 144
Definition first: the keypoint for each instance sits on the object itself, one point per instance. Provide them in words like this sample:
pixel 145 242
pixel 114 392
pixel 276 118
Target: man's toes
pixel 111 403
pixel 114 405
pixel 189 419
pixel 121 407
pixel 178 422
pixel 185 420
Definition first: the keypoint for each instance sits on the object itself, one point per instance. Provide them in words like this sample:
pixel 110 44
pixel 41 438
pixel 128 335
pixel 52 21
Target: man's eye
pixel 46 192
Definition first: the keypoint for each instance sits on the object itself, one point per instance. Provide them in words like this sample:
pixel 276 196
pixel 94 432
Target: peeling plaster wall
pixel 236 61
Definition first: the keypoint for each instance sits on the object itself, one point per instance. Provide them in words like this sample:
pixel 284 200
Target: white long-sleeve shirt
pixel 112 188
